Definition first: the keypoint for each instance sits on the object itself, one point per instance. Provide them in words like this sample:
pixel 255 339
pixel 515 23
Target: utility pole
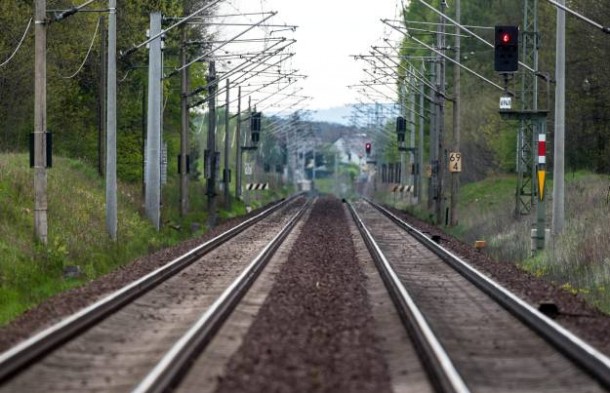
pixel 226 177
pixel 210 159
pixel 534 127
pixel 144 126
pixel 559 145
pixel 457 117
pixel 102 96
pixel 184 133
pixel 313 171
pixel 439 168
pixel 422 126
pixel 111 182
pixel 432 146
pixel 401 148
pixel 153 135
pixel 412 174
pixel 40 122
pixel 526 168
pixel 238 145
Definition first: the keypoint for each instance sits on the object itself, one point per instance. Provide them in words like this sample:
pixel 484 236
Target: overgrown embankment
pixel 577 260
pixel 31 272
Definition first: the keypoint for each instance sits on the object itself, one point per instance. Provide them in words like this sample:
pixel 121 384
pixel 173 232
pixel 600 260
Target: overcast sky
pixel 329 32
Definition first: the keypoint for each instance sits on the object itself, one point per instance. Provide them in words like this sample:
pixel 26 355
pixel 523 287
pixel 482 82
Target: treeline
pixel 489 143
pixel 75 99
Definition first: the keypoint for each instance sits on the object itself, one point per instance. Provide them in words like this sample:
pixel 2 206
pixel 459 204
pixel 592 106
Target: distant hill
pixel 344 114
pixel 339 115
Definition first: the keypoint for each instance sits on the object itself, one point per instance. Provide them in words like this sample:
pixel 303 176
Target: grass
pixel 31 272
pixel 580 258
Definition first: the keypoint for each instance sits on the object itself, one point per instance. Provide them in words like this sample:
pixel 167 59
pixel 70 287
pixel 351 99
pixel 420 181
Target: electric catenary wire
pixel 87 55
pixel 19 45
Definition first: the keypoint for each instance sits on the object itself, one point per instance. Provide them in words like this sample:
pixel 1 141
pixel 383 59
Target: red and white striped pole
pixel 541 165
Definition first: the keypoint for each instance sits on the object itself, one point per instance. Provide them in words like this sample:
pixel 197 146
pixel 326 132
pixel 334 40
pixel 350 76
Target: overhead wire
pixel 88 52
pixel 19 45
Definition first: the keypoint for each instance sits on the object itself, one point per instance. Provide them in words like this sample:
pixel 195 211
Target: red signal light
pixel 367 147
pixel 506 51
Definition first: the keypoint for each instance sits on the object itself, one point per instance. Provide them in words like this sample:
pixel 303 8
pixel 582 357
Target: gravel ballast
pixel 574 313
pixel 315 332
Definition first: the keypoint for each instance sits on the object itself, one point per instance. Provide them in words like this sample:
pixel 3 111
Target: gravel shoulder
pixel 575 314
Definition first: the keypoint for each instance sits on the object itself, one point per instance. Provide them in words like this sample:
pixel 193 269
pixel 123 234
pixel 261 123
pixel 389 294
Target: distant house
pixel 347 154
pixel 350 151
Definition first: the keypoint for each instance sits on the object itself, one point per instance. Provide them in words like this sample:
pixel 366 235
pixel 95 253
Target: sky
pixel 329 33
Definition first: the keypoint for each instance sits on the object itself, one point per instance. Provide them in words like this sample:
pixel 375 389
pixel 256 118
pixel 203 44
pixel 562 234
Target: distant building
pixel 350 151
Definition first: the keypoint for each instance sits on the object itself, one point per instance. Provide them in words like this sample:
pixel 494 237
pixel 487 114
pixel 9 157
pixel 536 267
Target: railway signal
pixel 401 128
pixel 506 54
pixel 367 148
pixel 255 126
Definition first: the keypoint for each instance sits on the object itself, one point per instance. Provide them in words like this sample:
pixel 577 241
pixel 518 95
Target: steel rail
pixel 23 354
pixel 444 375
pixel 583 354
pixel 166 374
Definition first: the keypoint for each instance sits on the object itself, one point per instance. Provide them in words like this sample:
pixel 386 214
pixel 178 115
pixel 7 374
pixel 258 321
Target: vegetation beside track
pixel 78 241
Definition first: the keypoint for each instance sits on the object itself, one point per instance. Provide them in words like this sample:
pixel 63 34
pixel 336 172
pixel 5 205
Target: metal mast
pixel 457 119
pixel 184 130
pixel 558 222
pixel 111 123
pixel 438 168
pixel 226 177
pixel 211 156
pixel 526 171
pixel 153 137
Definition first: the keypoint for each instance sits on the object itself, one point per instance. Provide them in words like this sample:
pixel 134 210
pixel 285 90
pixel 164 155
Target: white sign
pixel 248 168
pixel 455 162
pixel 506 103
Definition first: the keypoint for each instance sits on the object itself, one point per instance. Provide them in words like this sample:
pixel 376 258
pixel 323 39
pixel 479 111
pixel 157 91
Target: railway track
pixel 140 337
pixel 472 334
pixel 280 303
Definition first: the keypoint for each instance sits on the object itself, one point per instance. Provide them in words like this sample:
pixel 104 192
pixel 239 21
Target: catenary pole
pixel 102 97
pixel 420 150
pixel 455 176
pixel 227 172
pixel 211 150
pixel 403 156
pixel 558 220
pixel 111 181
pixel 153 135
pixel 184 133
pixel 238 145
pixel 40 122
pixel 432 136
pixel 438 170
pixel 412 157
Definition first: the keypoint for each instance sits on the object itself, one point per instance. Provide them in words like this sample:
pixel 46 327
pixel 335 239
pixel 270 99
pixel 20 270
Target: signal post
pixel 506 62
